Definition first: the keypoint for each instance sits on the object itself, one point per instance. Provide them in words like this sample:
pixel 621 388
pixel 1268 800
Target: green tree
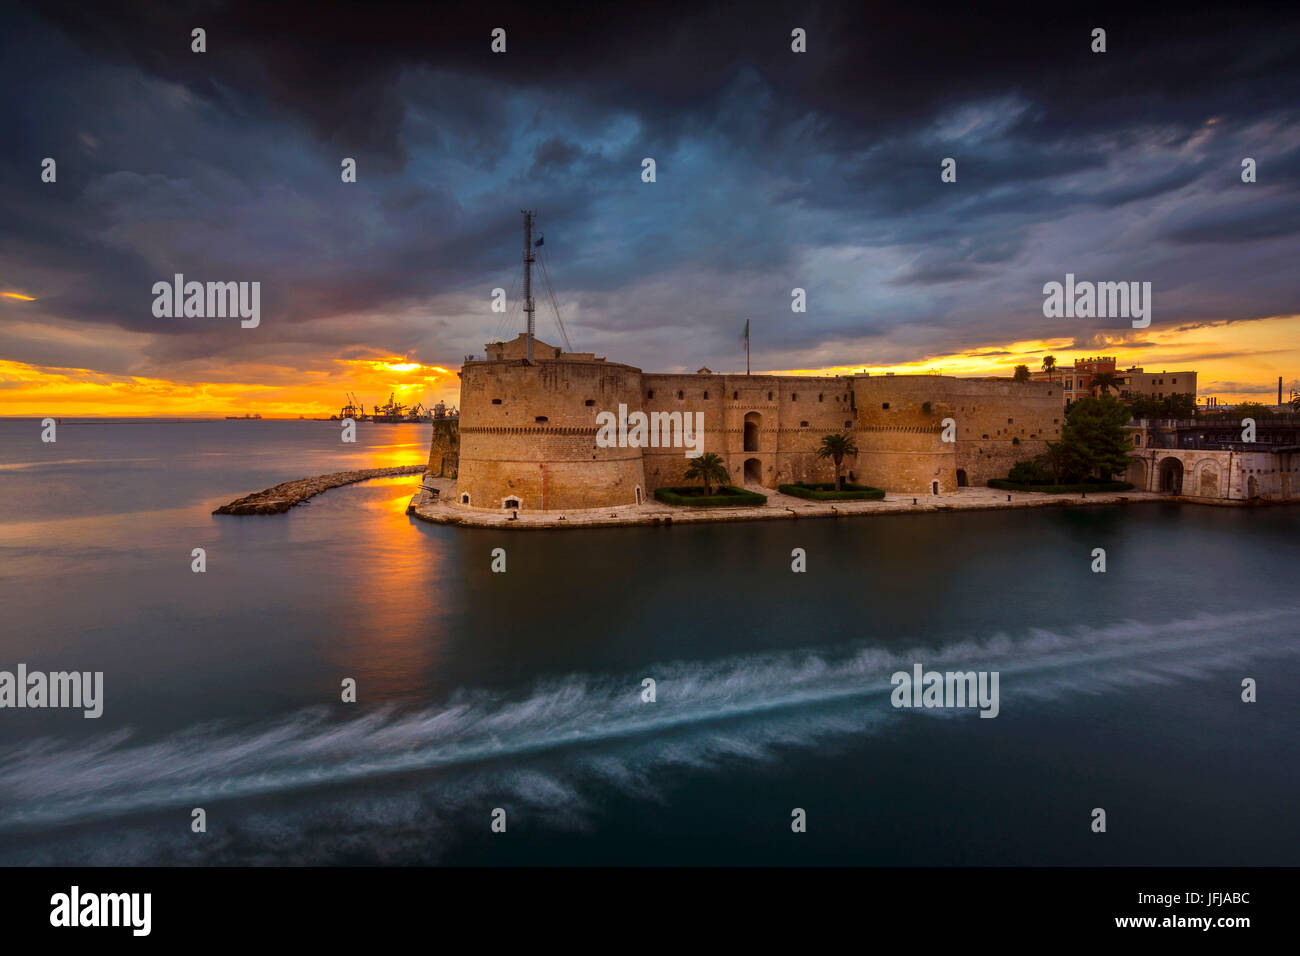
pixel 1145 406
pixel 837 448
pixel 1103 382
pixel 707 468
pixel 1029 472
pixel 1022 373
pixel 1093 436
pixel 1058 460
pixel 1255 410
pixel 1177 405
pixel 1181 405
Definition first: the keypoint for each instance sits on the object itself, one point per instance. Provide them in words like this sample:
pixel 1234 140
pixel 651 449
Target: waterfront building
pixel 528 428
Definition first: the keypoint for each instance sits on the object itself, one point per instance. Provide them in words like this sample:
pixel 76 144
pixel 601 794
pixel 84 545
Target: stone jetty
pixel 282 497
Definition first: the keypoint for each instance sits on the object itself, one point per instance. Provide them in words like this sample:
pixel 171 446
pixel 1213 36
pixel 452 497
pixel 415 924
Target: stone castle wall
pixel 528 432
pixel 444 449
pixel 664 467
pixel 997 424
pixel 788 416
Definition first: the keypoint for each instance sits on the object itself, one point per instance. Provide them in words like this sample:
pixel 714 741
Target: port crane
pixel 393 411
pixel 353 409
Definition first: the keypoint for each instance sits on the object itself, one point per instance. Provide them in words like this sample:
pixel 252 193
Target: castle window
pixel 819 396
pixel 680 393
pixel 589 402
pixel 848 424
pixel 803 424
pixel 464 498
pixel 496 401
pixel 1008 421
pixel 706 396
pixel 769 396
pixel 650 394
pixel 510 503
pixel 735 395
pixel 984 436
pixel 541 418
pixel 884 404
pixel 794 396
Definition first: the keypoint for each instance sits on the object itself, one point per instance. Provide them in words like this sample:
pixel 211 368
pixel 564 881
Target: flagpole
pixel 747 346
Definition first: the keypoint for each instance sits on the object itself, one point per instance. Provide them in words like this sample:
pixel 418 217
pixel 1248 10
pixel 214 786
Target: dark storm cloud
pixel 1263 217
pixel 774 170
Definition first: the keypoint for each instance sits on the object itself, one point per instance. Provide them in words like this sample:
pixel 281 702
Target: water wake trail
pixel 745 708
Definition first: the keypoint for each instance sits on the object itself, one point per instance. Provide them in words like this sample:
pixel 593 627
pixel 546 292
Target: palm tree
pixel 1105 381
pixel 1049 365
pixel 1057 459
pixel 708 468
pixel 837 448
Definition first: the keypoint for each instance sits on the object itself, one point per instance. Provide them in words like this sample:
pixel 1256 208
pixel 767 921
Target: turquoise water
pixel 522 690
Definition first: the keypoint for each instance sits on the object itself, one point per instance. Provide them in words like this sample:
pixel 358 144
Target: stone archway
pixel 753 471
pixel 753 422
pixel 1207 480
pixel 961 478
pixel 1252 487
pixel 1137 473
pixel 1170 476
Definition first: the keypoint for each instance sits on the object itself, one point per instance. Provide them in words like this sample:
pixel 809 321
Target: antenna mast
pixel 529 307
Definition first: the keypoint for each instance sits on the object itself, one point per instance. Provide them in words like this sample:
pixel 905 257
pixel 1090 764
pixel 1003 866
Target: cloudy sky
pixel 775 170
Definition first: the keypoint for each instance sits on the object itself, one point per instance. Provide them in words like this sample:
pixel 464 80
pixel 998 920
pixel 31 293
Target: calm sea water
pixel 522 690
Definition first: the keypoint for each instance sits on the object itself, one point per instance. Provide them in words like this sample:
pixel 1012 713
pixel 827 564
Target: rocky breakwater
pixel 282 497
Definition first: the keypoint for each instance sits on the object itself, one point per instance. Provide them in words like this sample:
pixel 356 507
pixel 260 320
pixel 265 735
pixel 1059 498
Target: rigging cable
pixel 506 321
pixel 546 278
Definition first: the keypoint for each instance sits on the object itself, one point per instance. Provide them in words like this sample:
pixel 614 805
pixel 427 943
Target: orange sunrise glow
pixel 1224 354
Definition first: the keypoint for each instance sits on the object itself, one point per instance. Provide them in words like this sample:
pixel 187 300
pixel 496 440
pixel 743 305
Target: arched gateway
pixel 1171 476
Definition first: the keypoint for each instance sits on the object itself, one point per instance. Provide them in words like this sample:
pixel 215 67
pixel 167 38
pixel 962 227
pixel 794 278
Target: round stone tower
pixel 528 431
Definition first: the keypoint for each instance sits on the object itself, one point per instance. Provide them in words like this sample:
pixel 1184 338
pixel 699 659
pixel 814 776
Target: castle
pixel 529 436
pixel 527 433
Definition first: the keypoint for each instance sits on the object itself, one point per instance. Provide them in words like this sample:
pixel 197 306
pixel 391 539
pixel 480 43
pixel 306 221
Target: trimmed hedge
pixel 825 491
pixel 723 496
pixel 1005 485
